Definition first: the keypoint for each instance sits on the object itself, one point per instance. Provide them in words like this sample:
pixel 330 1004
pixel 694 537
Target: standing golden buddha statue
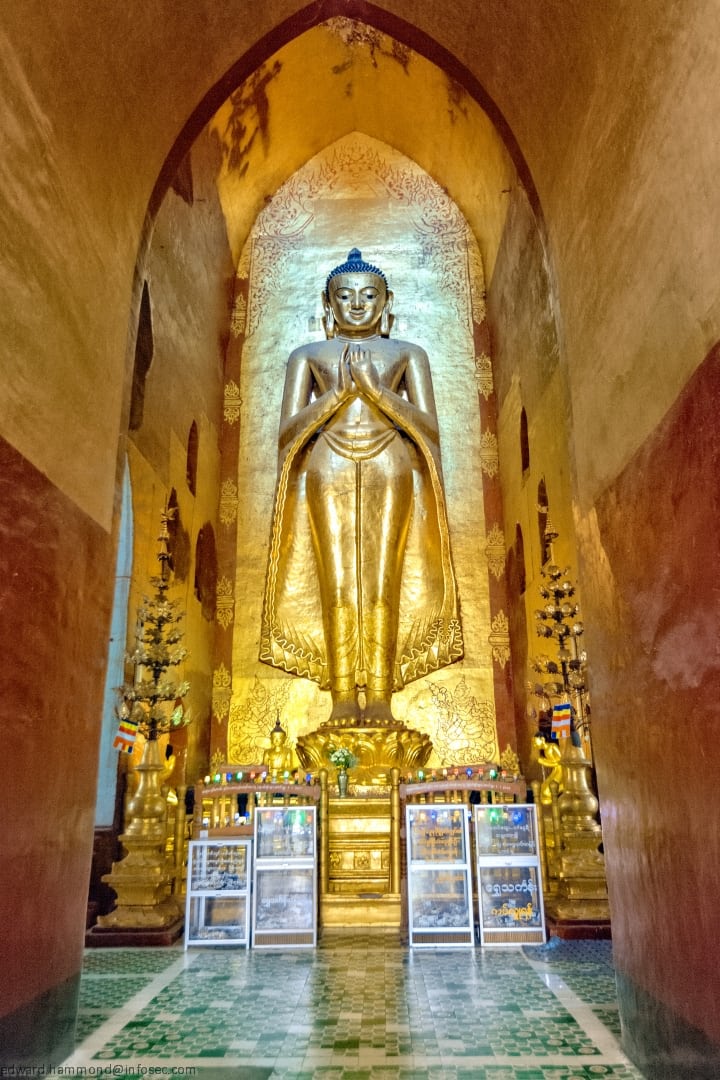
pixel 360 591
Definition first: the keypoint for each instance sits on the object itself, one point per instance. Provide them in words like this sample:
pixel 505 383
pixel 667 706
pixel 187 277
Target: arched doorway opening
pixel 246 206
pixel 264 131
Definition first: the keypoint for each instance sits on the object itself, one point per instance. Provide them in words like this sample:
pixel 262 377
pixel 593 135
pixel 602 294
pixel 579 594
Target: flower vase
pixel 342 783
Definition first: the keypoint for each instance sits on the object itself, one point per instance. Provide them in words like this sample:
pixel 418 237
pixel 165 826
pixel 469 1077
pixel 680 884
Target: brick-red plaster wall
pixel 653 622
pixel 55 595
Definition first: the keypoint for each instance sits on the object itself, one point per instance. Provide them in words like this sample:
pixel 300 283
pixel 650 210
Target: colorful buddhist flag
pixel 127 730
pixel 562 720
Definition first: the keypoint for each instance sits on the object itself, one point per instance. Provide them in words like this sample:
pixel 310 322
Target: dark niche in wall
pixel 206 571
pixel 192 458
pixel 524 443
pixel 179 542
pixel 144 348
pixel 182 181
pixel 515 565
pixel 543 508
pixel 520 582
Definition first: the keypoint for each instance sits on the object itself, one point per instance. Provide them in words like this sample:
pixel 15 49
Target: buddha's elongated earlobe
pixel 386 318
pixel 328 319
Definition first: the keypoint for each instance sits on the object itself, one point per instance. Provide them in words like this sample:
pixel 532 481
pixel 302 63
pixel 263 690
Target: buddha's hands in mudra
pixel 358 373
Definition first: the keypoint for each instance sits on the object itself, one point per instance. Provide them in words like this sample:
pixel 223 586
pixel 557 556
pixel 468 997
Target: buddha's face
pixel 357 302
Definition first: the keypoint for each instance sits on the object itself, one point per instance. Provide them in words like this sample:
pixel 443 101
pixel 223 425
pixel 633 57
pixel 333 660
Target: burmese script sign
pixel 285 877
pixel 437 834
pixel 439 882
pixel 510 898
pixel 506 830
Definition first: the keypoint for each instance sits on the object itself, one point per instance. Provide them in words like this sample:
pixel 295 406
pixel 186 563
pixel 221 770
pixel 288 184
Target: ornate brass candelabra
pixel 566 673
pixel 154 702
pixel 573 836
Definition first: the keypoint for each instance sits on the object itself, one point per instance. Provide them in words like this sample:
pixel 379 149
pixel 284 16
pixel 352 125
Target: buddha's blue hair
pixel 355 264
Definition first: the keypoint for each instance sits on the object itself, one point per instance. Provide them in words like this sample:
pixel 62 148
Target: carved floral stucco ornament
pixel 499 638
pixel 217 761
pixel 228 502
pixel 477 282
pixel 484 375
pixel 445 233
pixel 510 761
pixel 224 603
pixel 465 730
pixel 495 551
pixel 221 693
pixel 232 403
pixel 372 748
pixel 489 460
pixel 238 318
pixel 252 717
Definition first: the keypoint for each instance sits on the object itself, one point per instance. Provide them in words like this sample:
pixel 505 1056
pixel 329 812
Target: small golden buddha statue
pixel 166 776
pixel 549 756
pixel 278 758
pixel 360 590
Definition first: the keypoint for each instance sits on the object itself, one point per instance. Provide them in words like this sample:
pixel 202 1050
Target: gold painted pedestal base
pixel 376 750
pixel 141 879
pixel 361 911
pixel 581 897
pixel 142 890
pixel 578 903
pixel 359 865
pixel 578 919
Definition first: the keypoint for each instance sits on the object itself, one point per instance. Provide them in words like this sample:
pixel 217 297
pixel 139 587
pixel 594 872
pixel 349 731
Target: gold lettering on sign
pixel 437 839
pixel 517 914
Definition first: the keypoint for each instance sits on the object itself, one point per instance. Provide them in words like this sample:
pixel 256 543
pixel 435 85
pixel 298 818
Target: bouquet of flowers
pixel 342 759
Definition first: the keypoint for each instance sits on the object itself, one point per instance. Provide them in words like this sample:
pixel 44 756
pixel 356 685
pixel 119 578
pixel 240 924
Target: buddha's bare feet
pixel 378 713
pixel 345 713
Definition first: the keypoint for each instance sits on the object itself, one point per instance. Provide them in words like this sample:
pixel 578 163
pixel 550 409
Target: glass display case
pixel 217 910
pixel 510 895
pixel 439 883
pixel 285 877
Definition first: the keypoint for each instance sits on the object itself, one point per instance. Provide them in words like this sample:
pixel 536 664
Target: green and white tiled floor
pixel 359 1007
